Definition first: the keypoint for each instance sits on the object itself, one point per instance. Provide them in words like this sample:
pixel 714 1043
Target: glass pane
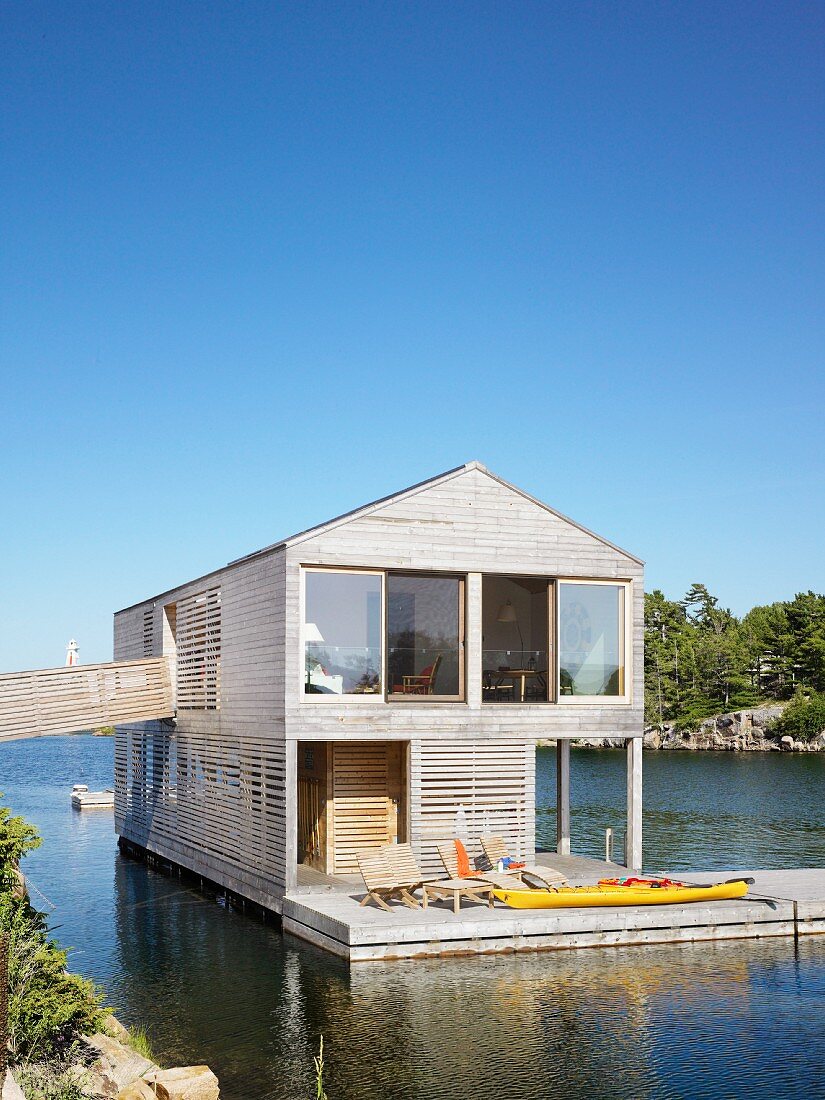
pixel 515 631
pixel 591 639
pixel 342 634
pixel 423 635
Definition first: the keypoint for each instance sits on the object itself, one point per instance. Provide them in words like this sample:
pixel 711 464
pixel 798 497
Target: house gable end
pixel 466 519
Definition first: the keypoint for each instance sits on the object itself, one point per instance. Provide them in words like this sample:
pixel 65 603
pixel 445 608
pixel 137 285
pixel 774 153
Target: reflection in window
pixel 591 639
pixel 424 635
pixel 342 634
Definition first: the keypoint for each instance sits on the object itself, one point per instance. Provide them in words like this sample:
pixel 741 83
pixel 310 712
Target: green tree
pixel 667 657
pixel 17 839
pixel 806 618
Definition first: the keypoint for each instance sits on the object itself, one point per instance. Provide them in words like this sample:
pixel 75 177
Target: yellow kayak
pixel 613 894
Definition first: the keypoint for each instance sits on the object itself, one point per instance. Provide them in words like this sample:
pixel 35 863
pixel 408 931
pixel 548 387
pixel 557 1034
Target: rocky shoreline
pixel 109 1068
pixel 738 731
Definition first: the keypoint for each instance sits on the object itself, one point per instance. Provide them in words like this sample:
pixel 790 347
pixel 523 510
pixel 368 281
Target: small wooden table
pixel 521 675
pixel 459 888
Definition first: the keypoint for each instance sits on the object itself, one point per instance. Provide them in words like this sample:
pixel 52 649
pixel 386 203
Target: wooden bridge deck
pixel 781 903
pixel 67 700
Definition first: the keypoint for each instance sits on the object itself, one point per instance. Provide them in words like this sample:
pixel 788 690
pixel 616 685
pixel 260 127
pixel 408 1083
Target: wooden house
pixel 382 677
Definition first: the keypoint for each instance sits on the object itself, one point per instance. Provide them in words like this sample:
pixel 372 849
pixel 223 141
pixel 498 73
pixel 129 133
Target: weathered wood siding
pixel 212 804
pixel 209 791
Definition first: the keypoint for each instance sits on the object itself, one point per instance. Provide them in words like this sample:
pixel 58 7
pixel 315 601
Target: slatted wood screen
pixel 309 819
pixel 83 697
pixel 148 632
pixel 198 646
pixel 361 805
pixel 494 783
pixel 223 799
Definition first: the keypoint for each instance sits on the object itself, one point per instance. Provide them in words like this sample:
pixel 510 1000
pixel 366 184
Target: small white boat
pixel 84 799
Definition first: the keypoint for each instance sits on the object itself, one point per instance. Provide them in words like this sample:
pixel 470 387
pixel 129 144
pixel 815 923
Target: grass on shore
pixel 140 1043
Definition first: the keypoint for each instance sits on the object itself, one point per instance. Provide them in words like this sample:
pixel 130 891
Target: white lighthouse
pixel 72 657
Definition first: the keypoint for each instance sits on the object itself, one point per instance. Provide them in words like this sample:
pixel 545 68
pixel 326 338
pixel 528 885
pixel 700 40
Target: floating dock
pixel 84 799
pixel 327 914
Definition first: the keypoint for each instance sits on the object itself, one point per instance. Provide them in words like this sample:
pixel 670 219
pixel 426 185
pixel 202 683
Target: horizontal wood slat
pixel 360 802
pixel 224 799
pixel 198 647
pixel 82 697
pixel 492 782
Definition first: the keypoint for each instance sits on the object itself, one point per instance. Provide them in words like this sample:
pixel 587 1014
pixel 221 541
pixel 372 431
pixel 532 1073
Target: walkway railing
pixel 83 697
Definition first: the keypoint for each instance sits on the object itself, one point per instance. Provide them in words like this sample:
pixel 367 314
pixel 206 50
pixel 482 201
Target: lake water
pixel 740 1019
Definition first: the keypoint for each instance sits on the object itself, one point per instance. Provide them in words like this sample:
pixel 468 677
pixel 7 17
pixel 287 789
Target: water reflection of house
pixel 363 681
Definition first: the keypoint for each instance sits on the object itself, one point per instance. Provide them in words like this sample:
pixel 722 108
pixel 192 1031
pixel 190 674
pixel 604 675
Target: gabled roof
pixel 383 502
pixel 413 490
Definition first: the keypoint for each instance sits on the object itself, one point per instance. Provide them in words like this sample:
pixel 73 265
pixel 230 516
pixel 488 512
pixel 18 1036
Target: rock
pixel 652 739
pixel 817 744
pixel 138 1090
pixel 764 716
pixel 117 1062
pixel 185 1083
pixel 112 1026
pixel 11 1089
pixel 799 746
pixel 786 743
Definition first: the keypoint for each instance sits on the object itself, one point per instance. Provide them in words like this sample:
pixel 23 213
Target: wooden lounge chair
pixel 495 848
pixel 392 872
pixel 501 881
pixel 403 863
pixel 386 878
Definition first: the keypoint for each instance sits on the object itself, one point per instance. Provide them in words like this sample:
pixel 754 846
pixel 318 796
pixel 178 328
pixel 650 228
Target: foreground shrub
pixel 47 1007
pixel 803 718
pixel 52 1082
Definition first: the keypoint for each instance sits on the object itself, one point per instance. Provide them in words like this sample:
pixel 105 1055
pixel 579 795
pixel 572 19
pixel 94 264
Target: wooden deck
pixel 781 903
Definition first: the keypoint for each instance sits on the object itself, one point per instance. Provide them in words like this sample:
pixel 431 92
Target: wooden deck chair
pixel 449 857
pixel 404 866
pixel 386 879
pixel 495 848
pixel 391 871
pixel 422 683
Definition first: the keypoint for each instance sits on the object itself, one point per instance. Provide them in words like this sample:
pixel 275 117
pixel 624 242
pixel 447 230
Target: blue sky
pixel 264 262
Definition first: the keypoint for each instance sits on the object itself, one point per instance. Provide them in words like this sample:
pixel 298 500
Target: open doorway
pixel 352 796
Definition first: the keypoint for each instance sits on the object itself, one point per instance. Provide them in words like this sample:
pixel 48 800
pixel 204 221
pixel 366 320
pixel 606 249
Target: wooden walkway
pixel 780 903
pixel 83 697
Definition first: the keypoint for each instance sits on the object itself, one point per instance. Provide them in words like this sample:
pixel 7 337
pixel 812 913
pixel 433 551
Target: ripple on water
pixel 694 1021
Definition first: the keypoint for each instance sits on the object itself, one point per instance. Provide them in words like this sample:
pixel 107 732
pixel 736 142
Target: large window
pixel 342 633
pixel 516 658
pixel 425 636
pixel 400 636
pixel 591 639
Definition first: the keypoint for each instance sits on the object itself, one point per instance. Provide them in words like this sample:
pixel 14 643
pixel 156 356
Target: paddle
pixel 725 882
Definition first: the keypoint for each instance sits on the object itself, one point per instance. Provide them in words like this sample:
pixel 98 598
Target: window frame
pixel 348 697
pixel 552 673
pixel 626 698
pixel 429 700
pixel 384 695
